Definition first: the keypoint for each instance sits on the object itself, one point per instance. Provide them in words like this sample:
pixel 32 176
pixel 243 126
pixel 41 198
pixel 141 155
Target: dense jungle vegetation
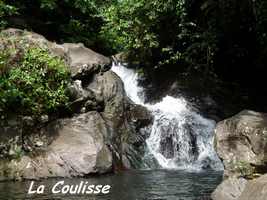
pixel 220 42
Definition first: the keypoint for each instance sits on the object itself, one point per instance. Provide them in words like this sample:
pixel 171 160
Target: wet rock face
pixel 139 116
pixel 167 147
pixel 103 132
pixel 241 143
pixel 178 141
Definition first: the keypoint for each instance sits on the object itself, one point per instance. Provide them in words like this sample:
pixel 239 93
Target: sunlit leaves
pixel 5 11
pixel 34 86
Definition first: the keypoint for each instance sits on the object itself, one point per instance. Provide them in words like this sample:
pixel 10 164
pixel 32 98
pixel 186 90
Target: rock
pixel 110 87
pixel 167 147
pixel 104 130
pixel 241 142
pixel 255 189
pixel 93 105
pixel 83 135
pixel 44 119
pixel 122 57
pixel 124 119
pixel 83 61
pixel 140 116
pixel 79 149
pixel 34 39
pixel 83 99
pixel 39 143
pixel 230 189
pixel 10 32
pixel 10 138
pixel 76 90
pixel 28 121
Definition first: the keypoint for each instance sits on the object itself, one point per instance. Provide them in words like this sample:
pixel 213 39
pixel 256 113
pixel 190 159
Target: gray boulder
pixel 10 137
pixel 34 39
pixel 241 143
pixel 255 189
pixel 124 119
pixel 84 62
pixel 83 99
pixel 230 189
pixel 79 149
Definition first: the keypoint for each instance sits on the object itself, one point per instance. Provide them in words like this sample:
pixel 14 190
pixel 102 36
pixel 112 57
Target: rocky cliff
pixel 101 132
pixel 241 143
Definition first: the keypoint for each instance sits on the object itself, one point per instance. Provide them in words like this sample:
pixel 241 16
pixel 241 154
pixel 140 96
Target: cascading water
pixel 180 138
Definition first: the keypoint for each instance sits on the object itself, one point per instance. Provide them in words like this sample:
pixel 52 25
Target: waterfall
pixel 180 138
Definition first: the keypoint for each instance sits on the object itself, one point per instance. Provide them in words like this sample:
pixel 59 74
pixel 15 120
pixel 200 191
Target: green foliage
pixel 244 168
pixel 159 34
pixel 34 84
pixel 208 38
pixel 63 20
pixel 137 26
pixel 5 11
pixel 16 152
pixel 205 38
pixel 48 4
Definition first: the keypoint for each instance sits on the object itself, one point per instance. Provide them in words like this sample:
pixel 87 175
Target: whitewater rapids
pixel 179 138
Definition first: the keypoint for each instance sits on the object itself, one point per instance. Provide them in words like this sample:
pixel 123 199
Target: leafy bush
pixel 5 11
pixel 160 35
pixel 63 20
pixel 143 27
pixel 34 84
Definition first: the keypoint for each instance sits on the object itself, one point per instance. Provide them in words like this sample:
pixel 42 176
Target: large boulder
pixel 241 143
pixel 229 189
pixel 255 189
pixel 79 149
pixel 83 61
pixel 125 120
pixel 22 37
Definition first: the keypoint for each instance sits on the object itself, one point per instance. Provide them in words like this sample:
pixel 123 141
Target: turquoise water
pixel 129 185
